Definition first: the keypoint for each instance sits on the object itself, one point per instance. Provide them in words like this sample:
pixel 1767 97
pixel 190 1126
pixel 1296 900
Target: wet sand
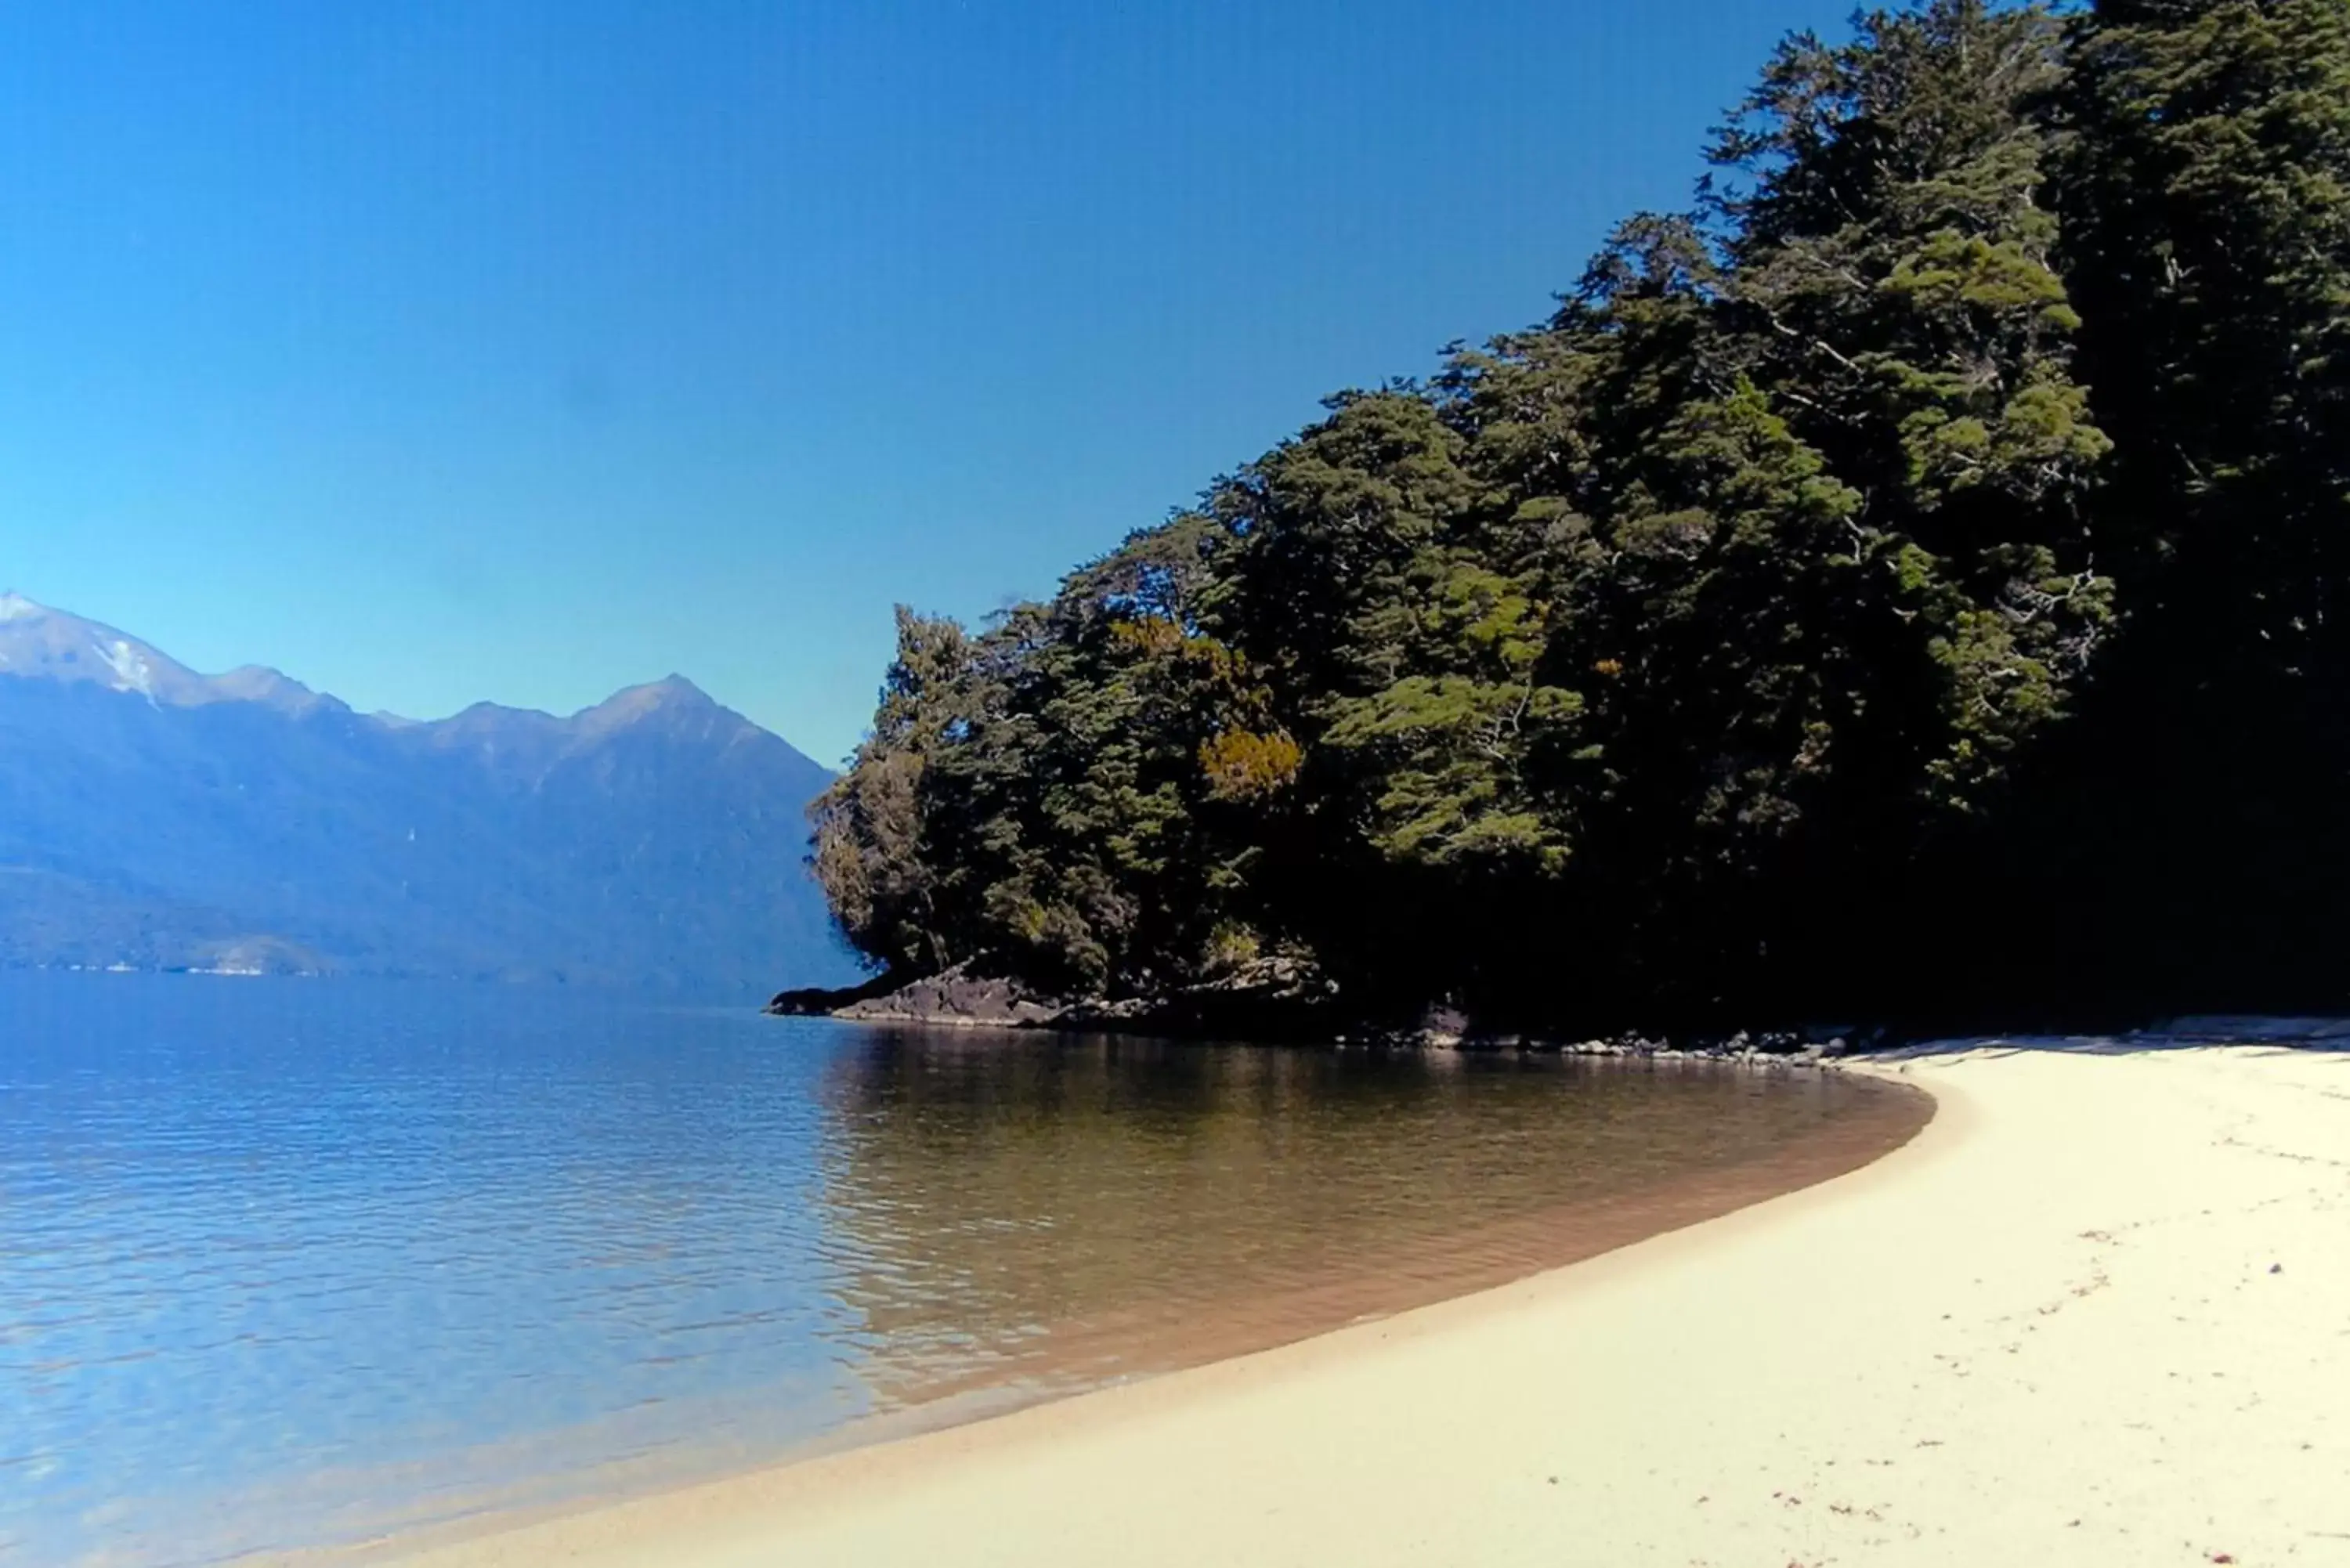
pixel 2098 1312
pixel 1385 1273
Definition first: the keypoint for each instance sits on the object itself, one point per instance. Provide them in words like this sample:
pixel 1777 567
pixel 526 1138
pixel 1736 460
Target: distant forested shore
pixel 1910 583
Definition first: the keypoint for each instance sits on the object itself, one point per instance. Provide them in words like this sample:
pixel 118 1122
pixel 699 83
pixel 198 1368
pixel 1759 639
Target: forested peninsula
pixel 1907 586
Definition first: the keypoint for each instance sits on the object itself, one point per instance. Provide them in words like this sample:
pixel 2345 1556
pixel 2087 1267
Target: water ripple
pixel 285 1263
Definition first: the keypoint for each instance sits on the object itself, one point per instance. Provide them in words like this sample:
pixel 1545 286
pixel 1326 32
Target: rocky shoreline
pixel 1274 1004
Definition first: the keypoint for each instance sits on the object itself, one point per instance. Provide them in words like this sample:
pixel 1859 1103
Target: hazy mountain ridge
pixel 159 818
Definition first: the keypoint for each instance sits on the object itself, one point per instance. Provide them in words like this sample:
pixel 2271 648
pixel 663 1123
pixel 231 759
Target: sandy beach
pixel 2098 1312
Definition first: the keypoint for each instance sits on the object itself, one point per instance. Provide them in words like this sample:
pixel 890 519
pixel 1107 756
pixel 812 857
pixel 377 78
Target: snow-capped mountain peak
pixel 159 818
pixel 40 643
pixel 43 644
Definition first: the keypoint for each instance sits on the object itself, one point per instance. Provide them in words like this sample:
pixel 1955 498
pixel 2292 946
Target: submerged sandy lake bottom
pixel 301 1263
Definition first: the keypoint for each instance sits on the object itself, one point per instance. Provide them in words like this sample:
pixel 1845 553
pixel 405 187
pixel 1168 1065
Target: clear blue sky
pixel 523 349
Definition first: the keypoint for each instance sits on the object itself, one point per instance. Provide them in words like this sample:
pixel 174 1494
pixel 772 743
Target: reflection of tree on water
pixel 987 1196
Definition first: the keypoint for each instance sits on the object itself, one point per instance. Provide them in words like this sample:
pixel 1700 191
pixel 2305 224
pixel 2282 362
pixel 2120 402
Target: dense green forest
pixel 1906 584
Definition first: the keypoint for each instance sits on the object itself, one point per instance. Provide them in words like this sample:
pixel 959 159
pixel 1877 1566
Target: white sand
pixel 2099 1313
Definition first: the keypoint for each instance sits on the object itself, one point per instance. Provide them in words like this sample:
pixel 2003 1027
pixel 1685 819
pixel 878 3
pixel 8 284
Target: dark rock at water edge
pixel 960 996
pixel 822 1001
pixel 1272 999
pixel 954 996
pixel 1271 1002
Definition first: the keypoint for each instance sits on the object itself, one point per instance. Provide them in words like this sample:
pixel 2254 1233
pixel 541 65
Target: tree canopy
pixel 1910 579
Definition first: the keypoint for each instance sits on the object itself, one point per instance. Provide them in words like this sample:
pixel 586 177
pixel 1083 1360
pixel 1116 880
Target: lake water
pixel 292 1264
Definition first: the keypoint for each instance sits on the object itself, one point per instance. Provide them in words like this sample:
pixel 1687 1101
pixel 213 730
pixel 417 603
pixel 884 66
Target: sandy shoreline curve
pixel 2098 1312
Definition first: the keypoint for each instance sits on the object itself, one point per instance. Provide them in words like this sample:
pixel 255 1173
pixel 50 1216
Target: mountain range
pixel 153 818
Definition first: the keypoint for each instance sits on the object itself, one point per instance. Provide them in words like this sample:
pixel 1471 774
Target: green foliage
pixel 2203 185
pixel 1725 641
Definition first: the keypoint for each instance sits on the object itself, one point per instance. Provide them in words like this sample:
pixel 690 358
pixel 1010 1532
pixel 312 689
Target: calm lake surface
pixel 289 1264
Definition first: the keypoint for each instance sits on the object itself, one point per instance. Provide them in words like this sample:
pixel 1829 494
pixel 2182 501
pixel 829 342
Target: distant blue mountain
pixel 154 817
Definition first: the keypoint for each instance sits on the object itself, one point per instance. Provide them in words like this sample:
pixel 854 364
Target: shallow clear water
pixel 285 1263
